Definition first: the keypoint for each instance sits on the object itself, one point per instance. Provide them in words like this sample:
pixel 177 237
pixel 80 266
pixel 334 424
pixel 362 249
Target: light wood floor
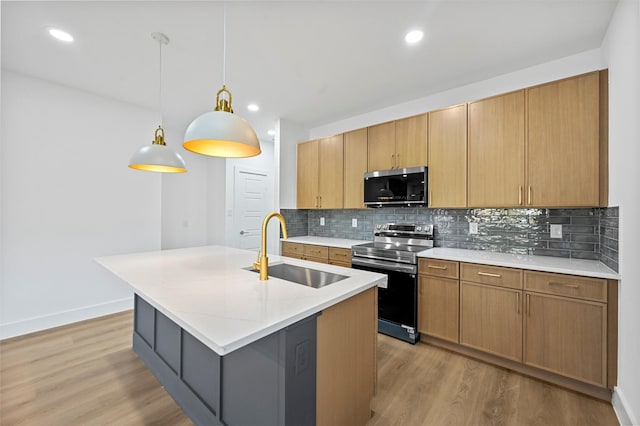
pixel 87 374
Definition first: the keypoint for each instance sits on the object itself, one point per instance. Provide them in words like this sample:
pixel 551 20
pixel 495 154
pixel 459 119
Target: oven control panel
pixel 404 229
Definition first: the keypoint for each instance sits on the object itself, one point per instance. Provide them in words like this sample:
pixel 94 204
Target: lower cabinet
pixel 315 253
pixel 557 327
pixel 491 319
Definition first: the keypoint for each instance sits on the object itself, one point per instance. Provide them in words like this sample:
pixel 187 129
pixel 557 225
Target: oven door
pixel 398 303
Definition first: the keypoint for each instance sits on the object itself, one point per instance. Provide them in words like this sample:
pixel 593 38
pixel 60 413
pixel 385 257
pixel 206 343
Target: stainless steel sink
pixel 301 275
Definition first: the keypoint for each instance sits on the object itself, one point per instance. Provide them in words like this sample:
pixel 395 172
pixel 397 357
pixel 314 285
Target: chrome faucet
pixel 262 264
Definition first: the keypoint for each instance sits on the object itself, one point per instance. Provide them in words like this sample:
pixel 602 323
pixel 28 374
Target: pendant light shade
pixel 221 133
pixel 157 157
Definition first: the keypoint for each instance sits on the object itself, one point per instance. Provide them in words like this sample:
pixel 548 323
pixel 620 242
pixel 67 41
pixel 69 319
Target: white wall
pixel 67 197
pixel 583 62
pixel 288 134
pixel 621 50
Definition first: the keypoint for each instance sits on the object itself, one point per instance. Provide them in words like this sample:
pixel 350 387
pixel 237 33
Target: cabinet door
pixel 381 146
pixel 355 166
pixel 496 151
pixel 448 157
pixel 331 165
pixel 438 307
pixel 491 319
pixel 566 336
pixel 307 164
pixel 411 141
pixel 563 143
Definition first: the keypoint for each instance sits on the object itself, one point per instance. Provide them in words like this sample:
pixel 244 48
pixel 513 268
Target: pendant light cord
pixel 160 78
pixel 224 43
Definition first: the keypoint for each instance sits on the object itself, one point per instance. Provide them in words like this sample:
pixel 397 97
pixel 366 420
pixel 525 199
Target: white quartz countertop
pixel 206 291
pixel 325 241
pixel 588 268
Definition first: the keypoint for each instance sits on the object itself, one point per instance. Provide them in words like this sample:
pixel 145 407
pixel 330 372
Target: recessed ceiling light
pixel 253 107
pixel 60 35
pixel 271 132
pixel 414 36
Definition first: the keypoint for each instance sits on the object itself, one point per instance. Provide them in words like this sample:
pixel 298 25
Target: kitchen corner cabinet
pixel 398 144
pixel 320 173
pixel 496 151
pixel 564 136
pixel 438 299
pixel 448 157
pixel 355 166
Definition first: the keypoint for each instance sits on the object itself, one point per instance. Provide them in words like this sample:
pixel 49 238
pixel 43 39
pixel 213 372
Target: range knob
pixel 419 228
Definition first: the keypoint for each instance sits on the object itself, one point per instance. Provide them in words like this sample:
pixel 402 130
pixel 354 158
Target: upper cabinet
pixel 382 146
pixel 320 174
pixel 398 144
pixel 563 156
pixel 411 142
pixel 448 157
pixel 496 151
pixel 355 166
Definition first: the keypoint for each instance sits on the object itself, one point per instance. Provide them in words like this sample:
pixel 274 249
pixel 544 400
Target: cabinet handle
pixel 320 205
pixel 528 305
pixel 520 195
pixel 436 267
pixel 517 303
pixel 430 203
pixel 317 201
pixel 529 197
pixel 340 254
pixel 565 285
pixel 393 161
pixel 397 165
pixel 489 274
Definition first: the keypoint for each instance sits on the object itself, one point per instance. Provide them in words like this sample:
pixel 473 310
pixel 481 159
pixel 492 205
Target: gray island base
pixel 271 381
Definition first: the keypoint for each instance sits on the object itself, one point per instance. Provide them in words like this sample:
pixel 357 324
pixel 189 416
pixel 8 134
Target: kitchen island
pixel 231 349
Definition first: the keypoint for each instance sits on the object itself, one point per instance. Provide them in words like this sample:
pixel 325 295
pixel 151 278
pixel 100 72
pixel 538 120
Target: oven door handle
pixel 386 259
pixel 397 267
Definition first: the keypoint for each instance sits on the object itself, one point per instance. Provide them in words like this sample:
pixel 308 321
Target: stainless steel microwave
pixel 397 187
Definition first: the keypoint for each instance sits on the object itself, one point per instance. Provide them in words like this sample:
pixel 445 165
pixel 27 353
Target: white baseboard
pixel 30 325
pixel 621 406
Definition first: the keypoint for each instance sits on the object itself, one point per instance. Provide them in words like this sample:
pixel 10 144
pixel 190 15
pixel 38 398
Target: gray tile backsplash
pixel 587 233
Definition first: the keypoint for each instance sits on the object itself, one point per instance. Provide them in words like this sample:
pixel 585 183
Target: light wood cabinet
pixel 566 335
pixel 448 157
pixel 438 299
pixel 411 142
pixel 320 173
pixel 496 151
pixel 295 250
pixel 340 257
pixel 381 146
pixel 398 144
pixel 563 163
pixel 317 253
pixel 355 166
pixel 491 319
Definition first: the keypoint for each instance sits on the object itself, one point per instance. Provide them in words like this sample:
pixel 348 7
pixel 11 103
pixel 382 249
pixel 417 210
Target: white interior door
pixel 251 206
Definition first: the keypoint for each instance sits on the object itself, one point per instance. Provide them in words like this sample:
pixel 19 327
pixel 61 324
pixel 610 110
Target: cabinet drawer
pixel 338 263
pixel 566 285
pixel 292 249
pixel 340 254
pixel 320 252
pixel 438 268
pixel 493 275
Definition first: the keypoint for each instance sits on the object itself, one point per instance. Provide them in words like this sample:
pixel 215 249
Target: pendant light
pixel 157 157
pixel 221 133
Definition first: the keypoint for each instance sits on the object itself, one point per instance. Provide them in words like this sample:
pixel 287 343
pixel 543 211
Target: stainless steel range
pixel 394 251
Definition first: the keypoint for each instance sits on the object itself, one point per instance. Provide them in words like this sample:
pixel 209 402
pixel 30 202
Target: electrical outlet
pixel 556 231
pixel 354 223
pixel 473 228
pixel 322 221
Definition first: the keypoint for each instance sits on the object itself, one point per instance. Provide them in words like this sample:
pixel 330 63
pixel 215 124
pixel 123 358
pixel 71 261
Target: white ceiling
pixel 311 62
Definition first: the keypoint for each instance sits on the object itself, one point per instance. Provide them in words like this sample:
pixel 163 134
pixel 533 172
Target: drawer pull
pixel 528 305
pixel 436 267
pixel 565 285
pixel 340 254
pixel 489 274
pixel 520 195
pixel 517 303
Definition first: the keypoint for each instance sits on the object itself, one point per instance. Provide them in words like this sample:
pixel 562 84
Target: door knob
pixel 243 232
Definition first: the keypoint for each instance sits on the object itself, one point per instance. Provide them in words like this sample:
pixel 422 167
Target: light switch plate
pixel 473 228
pixel 556 231
pixel 322 221
pixel 354 223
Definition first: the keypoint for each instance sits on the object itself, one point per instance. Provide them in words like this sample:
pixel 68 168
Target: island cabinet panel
pixel 564 143
pixel 144 321
pixel 496 151
pixel 347 361
pixel 167 337
pixel 448 157
pixel 201 371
